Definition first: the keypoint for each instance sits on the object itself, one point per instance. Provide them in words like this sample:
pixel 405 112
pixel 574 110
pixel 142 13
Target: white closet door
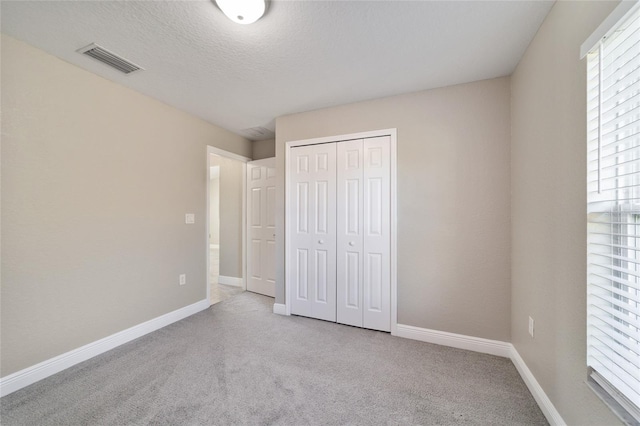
pixel 261 211
pixel 312 230
pixel 377 234
pixel 350 174
pixel 363 226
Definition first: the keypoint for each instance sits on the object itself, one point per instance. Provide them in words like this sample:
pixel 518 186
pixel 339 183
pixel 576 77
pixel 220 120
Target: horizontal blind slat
pixel 626 271
pixel 630 150
pixel 611 258
pixel 604 338
pixel 616 246
pixel 615 234
pixel 630 85
pixel 611 222
pixel 630 306
pixel 621 130
pixel 619 292
pixel 625 112
pixel 624 332
pixel 632 379
pixel 612 76
pixel 608 201
pixel 622 149
pixel 615 138
pixel 614 144
pixel 613 173
pixel 615 69
pixel 630 322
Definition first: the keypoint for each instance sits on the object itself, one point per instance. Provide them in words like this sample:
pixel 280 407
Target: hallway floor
pixel 220 292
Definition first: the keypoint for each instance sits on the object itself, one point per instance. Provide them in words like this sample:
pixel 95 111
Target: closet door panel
pixel 301 296
pixel 350 176
pixel 299 229
pixel 377 234
pixel 313 237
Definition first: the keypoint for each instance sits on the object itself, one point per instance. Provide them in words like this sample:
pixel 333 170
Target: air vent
pixel 259 133
pixel 103 55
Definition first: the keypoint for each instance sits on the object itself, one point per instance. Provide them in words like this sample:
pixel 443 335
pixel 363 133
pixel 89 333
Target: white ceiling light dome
pixel 243 11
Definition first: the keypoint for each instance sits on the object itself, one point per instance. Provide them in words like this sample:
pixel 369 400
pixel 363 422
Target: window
pixel 613 211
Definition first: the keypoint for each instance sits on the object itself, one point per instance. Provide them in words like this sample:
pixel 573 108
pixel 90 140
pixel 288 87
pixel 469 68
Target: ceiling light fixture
pixel 243 11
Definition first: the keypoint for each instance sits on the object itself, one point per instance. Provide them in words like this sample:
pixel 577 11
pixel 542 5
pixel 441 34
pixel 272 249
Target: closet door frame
pixel 392 133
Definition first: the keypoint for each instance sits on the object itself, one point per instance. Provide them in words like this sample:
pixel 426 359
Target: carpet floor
pixel 238 363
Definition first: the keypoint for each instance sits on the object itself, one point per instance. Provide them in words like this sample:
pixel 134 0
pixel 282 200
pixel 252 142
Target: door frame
pixel 392 133
pixel 243 160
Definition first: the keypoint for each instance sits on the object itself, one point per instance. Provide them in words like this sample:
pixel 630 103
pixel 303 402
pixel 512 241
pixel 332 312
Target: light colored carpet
pixel 220 292
pixel 237 363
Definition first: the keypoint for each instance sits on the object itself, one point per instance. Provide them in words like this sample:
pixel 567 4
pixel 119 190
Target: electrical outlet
pixel 531 323
pixel 183 279
pixel 189 218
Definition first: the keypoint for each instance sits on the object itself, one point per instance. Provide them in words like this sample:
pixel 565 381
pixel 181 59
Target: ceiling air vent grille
pixel 259 133
pixel 109 58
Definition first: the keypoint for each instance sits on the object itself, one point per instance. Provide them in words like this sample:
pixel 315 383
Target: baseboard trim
pixel 493 347
pixel 460 341
pixel 29 375
pixel 280 308
pixel 545 404
pixel 234 281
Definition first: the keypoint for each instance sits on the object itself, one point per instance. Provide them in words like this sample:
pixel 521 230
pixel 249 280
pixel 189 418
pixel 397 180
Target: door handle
pixel 351 243
pixel 320 241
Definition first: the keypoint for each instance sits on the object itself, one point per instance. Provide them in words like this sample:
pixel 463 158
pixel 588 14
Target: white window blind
pixel 613 210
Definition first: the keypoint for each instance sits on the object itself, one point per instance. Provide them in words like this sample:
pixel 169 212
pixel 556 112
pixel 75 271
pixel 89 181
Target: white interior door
pixel 377 234
pixel 350 175
pixel 363 240
pixel 312 230
pixel 261 212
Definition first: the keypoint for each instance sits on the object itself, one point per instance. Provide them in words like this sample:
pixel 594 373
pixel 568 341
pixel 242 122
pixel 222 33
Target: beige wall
pixel 263 149
pixel 230 210
pixel 548 164
pixel 96 180
pixel 453 200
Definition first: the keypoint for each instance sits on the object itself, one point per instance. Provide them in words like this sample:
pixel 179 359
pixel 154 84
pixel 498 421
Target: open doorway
pixel 225 224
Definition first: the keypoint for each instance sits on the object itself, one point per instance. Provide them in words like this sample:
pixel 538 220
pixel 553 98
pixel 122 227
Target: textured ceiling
pixel 302 55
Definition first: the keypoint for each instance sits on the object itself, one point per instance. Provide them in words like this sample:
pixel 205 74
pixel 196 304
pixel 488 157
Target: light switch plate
pixel 189 218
